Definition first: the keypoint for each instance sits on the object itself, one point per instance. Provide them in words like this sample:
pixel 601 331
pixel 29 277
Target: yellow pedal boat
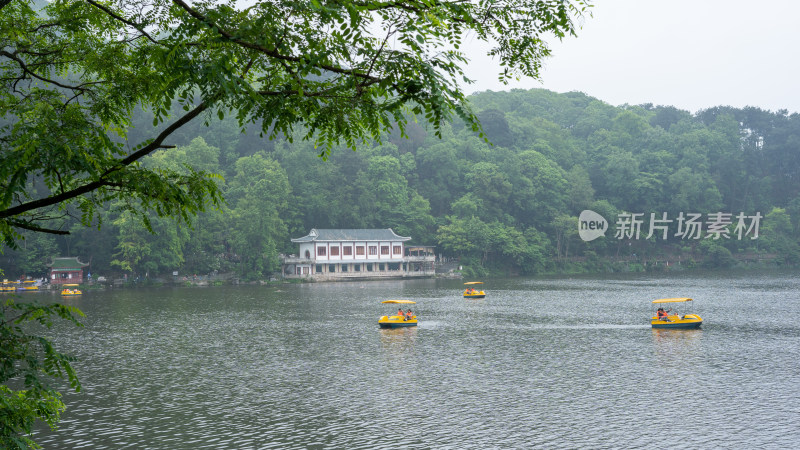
pixel 669 319
pixel 29 285
pixel 67 291
pixel 471 292
pixel 397 320
pixel 7 286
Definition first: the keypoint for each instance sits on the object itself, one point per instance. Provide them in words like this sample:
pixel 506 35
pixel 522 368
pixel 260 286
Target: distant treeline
pixel 511 206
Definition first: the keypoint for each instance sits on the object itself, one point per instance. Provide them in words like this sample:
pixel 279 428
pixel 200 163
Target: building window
pixel 397 250
pixel 319 269
pixel 357 267
pixel 373 249
pixel 380 267
pixel 321 251
pixel 334 251
pixel 347 251
pixel 384 249
pixel 344 267
pixel 331 268
pixel 369 267
pixel 360 250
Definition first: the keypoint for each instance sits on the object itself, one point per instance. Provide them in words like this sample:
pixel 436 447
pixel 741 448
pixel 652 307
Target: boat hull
pixel 396 322
pixel 687 321
pixel 474 295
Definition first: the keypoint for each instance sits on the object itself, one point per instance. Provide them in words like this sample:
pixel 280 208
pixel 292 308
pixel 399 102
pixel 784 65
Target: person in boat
pixel 409 314
pixel 663 315
pixel 400 312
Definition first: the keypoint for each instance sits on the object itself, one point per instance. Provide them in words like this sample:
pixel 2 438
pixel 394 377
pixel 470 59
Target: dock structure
pixel 351 254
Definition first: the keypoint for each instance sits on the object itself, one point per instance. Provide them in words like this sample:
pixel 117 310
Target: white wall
pixel 327 257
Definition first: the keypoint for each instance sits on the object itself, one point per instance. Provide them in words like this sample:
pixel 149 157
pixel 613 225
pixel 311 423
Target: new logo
pixel 591 225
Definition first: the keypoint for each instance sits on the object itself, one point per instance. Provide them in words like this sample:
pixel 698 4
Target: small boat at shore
pixel 30 285
pixel 69 291
pixel 678 319
pixel 398 320
pixel 471 292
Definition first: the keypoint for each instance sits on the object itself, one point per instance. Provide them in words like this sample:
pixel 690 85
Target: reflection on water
pixel 677 345
pixel 677 337
pixel 398 338
pixel 553 363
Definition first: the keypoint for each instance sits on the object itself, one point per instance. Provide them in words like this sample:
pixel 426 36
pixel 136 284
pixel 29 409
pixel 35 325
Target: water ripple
pixel 550 363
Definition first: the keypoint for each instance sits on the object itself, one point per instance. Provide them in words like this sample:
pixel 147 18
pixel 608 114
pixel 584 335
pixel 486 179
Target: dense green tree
pixel 440 177
pixel 535 258
pixel 580 193
pixel 779 236
pixel 495 126
pixel 550 139
pixel 456 236
pixel 716 255
pixel 629 131
pixel 258 193
pixel 793 209
pixel 28 366
pixel 690 191
pixel 203 246
pixel 35 253
pixel 385 199
pixel 468 206
pixel 666 116
pixel 565 231
pixel 541 188
pixel 207 249
pixel 154 249
pixel 488 182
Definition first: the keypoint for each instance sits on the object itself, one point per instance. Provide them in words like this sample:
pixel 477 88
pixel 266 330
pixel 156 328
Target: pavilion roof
pixel 339 234
pixel 67 264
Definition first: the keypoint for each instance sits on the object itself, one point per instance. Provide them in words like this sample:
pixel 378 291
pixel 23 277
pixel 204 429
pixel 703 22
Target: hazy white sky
pixel 691 54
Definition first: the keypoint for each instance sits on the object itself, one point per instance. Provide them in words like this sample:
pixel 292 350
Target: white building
pixel 328 254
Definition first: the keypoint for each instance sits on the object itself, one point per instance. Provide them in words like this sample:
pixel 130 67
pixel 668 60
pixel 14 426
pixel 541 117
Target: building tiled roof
pixel 375 234
pixel 65 264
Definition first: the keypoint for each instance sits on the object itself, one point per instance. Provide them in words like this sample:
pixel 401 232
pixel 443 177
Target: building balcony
pixel 293 259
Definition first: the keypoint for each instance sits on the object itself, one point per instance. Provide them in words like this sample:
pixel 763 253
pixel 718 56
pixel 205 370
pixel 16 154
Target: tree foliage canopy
pixel 31 361
pixel 344 72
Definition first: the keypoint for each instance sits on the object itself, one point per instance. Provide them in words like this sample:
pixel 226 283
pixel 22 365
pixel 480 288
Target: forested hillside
pixel 510 207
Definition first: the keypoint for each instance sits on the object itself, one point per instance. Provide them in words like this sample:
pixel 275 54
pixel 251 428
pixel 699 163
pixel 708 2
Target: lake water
pixel 547 363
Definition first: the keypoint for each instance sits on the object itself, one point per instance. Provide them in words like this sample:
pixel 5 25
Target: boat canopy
pixel 474 282
pixel 397 301
pixel 672 300
pixel 71 284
